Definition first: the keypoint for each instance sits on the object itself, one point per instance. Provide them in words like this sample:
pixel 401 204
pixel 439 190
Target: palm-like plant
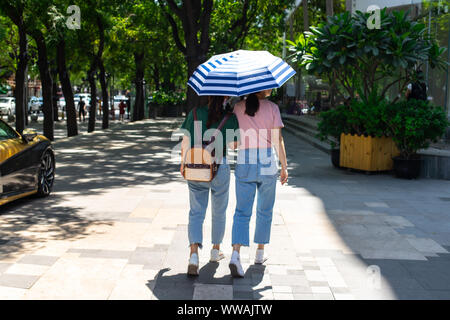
pixel 367 61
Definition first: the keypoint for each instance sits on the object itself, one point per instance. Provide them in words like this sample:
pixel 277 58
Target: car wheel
pixel 46 174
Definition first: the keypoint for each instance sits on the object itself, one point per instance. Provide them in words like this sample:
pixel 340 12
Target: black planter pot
pixel 407 168
pixel 335 157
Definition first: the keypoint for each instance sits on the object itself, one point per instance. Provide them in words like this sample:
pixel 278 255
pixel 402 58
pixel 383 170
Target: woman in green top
pixel 208 117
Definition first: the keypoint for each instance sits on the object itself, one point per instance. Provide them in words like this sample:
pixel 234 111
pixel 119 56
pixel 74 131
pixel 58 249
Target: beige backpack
pixel 199 161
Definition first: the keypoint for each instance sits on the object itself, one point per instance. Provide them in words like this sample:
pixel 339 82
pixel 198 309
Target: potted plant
pixel 332 123
pixel 413 125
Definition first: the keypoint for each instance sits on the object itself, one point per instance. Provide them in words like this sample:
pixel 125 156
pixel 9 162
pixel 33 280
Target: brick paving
pixel 116 228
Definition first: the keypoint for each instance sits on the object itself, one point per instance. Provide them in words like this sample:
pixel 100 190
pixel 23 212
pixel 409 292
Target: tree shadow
pixel 29 222
pixel 89 165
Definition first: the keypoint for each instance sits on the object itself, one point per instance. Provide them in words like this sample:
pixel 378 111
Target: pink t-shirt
pixel 256 132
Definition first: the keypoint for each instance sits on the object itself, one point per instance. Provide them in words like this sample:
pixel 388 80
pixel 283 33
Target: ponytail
pixel 215 110
pixel 251 104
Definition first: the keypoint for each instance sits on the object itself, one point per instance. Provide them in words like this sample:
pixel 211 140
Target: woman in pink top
pixel 256 172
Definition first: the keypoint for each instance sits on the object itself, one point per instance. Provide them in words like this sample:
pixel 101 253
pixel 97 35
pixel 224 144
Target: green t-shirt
pixel 202 116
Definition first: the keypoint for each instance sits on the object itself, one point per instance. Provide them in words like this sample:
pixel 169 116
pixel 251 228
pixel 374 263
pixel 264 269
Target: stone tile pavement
pixel 116 228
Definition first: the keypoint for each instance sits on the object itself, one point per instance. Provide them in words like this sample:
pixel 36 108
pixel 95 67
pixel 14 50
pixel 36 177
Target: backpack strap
pixel 198 129
pixel 222 123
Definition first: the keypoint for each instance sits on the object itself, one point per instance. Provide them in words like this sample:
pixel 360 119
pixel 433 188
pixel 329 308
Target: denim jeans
pixel 256 172
pixel 198 198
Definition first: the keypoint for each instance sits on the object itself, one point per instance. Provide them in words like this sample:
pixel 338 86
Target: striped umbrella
pixel 239 73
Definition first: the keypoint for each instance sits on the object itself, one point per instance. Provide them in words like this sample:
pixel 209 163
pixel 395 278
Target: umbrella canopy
pixel 239 73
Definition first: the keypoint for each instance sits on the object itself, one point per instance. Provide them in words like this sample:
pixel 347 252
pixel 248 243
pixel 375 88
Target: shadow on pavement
pixel 31 221
pixel 397 230
pixel 180 286
pixel 89 164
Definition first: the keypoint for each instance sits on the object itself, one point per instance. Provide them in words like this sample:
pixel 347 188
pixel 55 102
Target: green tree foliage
pixel 10 53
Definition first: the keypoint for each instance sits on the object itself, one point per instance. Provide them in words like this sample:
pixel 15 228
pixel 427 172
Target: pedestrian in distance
pixel 197 122
pixel 417 89
pixel 128 95
pixel 82 109
pixel 122 107
pixel 256 173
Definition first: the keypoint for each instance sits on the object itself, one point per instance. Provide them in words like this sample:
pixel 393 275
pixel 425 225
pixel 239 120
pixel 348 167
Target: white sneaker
pixel 259 257
pixel 216 255
pixel 193 265
pixel 235 266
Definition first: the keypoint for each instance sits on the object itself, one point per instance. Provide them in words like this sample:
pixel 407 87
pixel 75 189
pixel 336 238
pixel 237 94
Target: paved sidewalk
pixel 116 228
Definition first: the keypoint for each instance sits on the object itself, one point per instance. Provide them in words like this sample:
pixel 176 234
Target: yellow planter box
pixel 367 153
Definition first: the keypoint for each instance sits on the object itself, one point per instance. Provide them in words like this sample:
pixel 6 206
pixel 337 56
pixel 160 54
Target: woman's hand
pixel 283 176
pixel 182 169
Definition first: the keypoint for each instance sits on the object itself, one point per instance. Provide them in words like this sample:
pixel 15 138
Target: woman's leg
pixel 245 195
pixel 198 199
pixel 264 210
pixel 219 202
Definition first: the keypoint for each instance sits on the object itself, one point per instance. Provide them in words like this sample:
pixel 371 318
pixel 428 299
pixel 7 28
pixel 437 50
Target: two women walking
pixel 255 130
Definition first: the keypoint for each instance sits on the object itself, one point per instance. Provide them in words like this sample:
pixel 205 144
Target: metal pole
pixel 429 34
pixel 447 108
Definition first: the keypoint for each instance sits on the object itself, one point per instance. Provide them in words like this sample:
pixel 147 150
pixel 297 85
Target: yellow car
pixel 27 164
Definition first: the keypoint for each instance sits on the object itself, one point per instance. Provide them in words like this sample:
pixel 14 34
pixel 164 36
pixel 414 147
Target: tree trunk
pixel 55 96
pixel 156 77
pixel 47 84
pixel 21 74
pixel 193 100
pixel 305 15
pixel 99 62
pixel 138 111
pixel 71 114
pixel 105 97
pixel 195 17
pixel 93 103
pixel 329 7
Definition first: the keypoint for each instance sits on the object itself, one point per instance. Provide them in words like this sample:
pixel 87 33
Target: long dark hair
pixel 251 104
pixel 215 110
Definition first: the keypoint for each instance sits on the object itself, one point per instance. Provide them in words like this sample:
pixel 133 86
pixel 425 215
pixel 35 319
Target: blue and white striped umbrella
pixel 239 73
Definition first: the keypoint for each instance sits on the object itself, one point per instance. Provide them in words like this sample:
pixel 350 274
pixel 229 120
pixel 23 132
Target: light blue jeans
pixel 198 199
pixel 256 172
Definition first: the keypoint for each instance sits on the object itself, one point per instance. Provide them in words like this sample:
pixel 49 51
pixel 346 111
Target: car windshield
pixel 4 100
pixel 6 132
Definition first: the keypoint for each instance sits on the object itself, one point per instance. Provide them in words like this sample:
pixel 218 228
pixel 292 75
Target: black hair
pixel 215 110
pixel 251 105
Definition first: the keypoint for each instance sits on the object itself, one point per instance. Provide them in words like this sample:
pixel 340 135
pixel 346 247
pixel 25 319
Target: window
pixel 6 132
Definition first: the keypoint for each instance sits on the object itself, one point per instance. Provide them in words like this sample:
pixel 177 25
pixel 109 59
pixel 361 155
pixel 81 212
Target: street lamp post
pixel 145 97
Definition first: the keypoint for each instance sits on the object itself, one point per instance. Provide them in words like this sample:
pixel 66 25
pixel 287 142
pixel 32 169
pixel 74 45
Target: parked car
pixel 27 163
pixel 7 105
pixel 61 104
pixel 40 103
pixel 34 105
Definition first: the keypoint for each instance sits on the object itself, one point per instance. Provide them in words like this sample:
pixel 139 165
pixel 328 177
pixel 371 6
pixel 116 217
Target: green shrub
pixel 359 117
pixel 168 98
pixel 414 124
pixel 332 123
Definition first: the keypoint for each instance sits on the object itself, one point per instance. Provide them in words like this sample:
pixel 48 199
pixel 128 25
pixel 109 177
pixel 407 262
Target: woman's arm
pixel 278 143
pixel 184 147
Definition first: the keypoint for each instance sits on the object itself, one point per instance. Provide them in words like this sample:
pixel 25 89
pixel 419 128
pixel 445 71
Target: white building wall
pixel 362 5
